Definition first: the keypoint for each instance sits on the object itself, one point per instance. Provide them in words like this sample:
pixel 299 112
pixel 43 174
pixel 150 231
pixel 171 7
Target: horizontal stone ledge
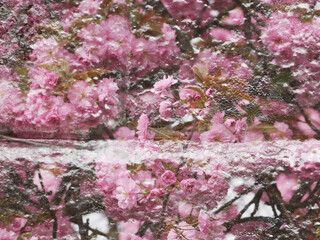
pixel 290 153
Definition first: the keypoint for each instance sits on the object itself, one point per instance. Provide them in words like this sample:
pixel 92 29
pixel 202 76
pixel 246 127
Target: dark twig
pixel 308 121
pixel 162 223
pixel 272 204
pixel 216 22
pixel 272 189
pixel 52 15
pixel 298 195
pixel 313 192
pixel 255 200
pixel 231 223
pixel 229 203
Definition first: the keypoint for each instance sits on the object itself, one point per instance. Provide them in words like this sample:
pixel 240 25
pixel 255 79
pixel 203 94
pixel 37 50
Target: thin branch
pixel 216 22
pixel 231 223
pixel 38 144
pixel 311 125
pixel 285 213
pixel 257 202
pixel 52 14
pixel 254 200
pixel 162 223
pixel 229 203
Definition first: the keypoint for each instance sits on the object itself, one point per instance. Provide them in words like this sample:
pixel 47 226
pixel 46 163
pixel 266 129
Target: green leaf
pixel 23 84
pixel 197 90
pixel 169 166
pixel 318 233
pixel 25 236
pixel 136 167
pixel 306 18
pixel 266 128
pixel 281 79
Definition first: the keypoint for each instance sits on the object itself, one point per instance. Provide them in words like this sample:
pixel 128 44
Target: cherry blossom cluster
pixel 225 71
pixel 210 72
pixel 171 192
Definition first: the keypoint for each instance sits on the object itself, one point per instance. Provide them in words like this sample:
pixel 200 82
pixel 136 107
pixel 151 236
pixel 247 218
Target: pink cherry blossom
pixel 143 133
pixel 164 84
pixel 188 185
pixel 189 94
pixel 168 178
pixel 155 193
pixel 218 132
pixel 89 7
pixel 42 78
pixel 165 109
pixel 285 131
pixel 126 193
pixel 83 96
pixel 287 185
pixel 124 133
pixel 204 222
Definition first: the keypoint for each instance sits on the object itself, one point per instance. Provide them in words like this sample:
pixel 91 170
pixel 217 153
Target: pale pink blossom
pixel 218 133
pixel 124 133
pixel 83 96
pixel 126 193
pixel 129 229
pixel 117 28
pixel 93 48
pixel 189 94
pixel 285 131
pixel 106 90
pixel 164 84
pixel 227 66
pixel 217 185
pixel 204 222
pixel 89 7
pixel 235 17
pixel 186 209
pixel 287 185
pixel 45 50
pixel 42 78
pixel 51 182
pixel 253 135
pixel 11 103
pixel 143 133
pixel 165 109
pixel 187 9
pixel 45 111
pixel 169 34
pixel 224 35
pixel 155 193
pixel 303 127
